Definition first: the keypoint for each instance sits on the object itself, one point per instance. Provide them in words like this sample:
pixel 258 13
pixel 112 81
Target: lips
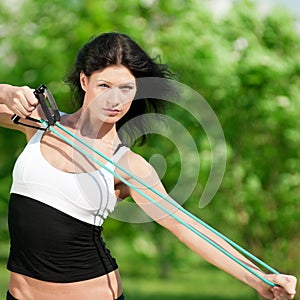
pixel 111 111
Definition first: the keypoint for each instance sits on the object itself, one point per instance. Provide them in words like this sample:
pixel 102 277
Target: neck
pixel 90 127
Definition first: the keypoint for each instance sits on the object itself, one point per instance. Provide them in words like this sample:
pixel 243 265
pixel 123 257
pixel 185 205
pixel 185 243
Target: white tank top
pixel 89 197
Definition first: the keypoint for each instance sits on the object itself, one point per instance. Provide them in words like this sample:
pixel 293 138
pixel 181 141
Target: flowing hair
pixel 119 49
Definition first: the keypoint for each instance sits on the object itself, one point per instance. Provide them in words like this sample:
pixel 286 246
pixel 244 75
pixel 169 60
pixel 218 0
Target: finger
pixel 27 98
pixel 22 104
pixel 20 112
pixel 287 282
pixel 281 294
pixel 30 97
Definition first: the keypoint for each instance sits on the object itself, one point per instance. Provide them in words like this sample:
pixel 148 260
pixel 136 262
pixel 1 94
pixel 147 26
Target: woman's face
pixel 108 92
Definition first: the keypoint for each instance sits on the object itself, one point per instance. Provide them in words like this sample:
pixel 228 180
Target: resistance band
pixel 175 204
pixel 53 120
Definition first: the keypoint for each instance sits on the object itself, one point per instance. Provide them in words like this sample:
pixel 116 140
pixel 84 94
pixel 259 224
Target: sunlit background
pixel 243 57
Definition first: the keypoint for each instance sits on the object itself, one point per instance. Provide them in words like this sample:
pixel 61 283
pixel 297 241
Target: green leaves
pixel 245 64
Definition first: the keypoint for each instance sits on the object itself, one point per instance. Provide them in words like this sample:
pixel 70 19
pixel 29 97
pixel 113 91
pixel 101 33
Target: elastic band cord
pixel 175 204
pixel 191 228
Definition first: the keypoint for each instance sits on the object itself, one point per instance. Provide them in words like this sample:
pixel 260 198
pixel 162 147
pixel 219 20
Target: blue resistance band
pixel 175 204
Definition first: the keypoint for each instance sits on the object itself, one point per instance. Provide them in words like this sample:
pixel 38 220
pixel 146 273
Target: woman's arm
pixel 143 170
pixel 222 261
pixel 16 100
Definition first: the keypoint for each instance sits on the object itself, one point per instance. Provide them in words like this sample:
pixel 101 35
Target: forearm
pixel 5 117
pixel 5 112
pixel 15 100
pixel 2 92
pixel 172 218
pixel 211 254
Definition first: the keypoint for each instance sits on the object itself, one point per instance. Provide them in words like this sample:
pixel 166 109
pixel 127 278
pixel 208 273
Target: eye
pixel 126 87
pixel 104 85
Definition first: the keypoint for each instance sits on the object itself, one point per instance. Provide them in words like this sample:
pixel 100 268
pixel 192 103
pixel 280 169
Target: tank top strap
pixel 36 138
pixel 120 151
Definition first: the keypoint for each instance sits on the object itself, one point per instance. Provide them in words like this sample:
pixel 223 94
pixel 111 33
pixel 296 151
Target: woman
pixel 59 198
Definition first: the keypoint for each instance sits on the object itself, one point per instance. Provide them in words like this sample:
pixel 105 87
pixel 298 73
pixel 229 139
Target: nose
pixel 114 97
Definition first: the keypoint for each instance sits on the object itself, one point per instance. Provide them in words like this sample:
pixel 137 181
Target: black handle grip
pixel 15 118
pixel 52 114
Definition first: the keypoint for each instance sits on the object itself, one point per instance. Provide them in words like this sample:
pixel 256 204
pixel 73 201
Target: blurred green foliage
pixel 246 65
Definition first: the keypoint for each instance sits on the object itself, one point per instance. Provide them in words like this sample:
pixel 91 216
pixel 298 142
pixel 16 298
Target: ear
pixel 83 81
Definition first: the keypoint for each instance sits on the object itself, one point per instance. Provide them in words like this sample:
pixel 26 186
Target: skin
pixel 108 96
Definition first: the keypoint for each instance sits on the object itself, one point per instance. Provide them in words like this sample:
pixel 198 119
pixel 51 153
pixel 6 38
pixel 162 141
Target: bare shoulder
pixel 136 158
pixel 139 172
pixel 136 164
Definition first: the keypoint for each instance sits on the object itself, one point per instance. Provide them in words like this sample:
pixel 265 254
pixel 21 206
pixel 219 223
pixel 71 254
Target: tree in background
pixel 246 65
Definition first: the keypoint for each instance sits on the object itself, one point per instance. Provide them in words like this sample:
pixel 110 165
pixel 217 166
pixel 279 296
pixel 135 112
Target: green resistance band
pixel 175 204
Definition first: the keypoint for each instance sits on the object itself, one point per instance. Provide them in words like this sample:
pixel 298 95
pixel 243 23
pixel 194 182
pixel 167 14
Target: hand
pixel 285 288
pixel 20 100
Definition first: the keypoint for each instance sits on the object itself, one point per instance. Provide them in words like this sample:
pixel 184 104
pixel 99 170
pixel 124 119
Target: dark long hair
pixel 119 49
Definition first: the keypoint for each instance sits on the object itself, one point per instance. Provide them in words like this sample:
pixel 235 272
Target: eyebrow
pixel 132 82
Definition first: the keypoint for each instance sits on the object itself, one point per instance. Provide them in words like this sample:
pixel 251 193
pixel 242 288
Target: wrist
pixel 256 282
pixel 3 92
